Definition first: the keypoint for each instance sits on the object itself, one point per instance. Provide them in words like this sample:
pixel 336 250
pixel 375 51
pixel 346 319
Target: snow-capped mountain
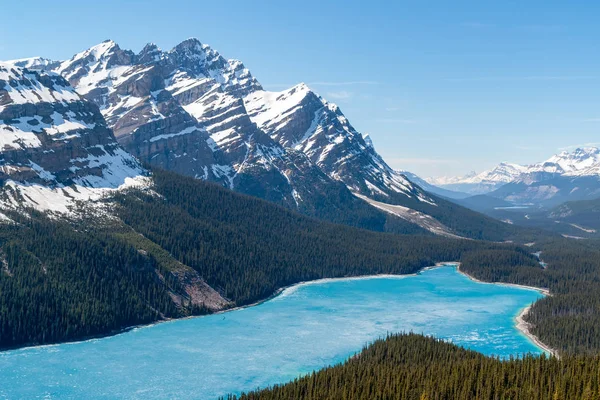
pixel 55 146
pixel 483 182
pixel 580 162
pixel 192 111
pixel 299 118
pixel 565 176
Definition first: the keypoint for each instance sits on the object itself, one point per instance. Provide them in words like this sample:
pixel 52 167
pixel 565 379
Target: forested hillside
pixel 62 281
pixel 249 247
pixel 57 283
pixel 409 366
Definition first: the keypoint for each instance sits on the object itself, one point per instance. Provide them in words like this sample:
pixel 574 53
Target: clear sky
pixel 443 87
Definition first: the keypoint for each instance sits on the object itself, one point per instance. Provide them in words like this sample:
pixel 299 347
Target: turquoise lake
pixel 305 328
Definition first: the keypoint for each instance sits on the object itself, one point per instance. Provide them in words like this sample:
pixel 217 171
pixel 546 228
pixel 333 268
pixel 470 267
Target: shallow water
pixel 307 327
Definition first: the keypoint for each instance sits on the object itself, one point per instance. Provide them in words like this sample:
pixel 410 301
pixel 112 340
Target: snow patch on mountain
pixel 18 86
pixel 423 220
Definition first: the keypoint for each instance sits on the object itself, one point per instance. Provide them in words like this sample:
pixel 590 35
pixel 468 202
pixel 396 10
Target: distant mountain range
pixel 191 111
pixel 563 177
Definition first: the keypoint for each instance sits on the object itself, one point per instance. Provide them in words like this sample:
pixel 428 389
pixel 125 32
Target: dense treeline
pixel 249 248
pixel 58 284
pixel 416 367
pixel 570 319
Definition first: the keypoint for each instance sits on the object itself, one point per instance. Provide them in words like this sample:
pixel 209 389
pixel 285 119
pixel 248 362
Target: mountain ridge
pixel 565 176
pixel 191 111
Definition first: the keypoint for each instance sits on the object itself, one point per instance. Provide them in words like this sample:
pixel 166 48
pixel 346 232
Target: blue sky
pixel 443 87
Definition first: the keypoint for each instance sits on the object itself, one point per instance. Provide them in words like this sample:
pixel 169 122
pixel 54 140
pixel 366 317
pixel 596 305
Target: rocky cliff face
pixel 183 110
pixel 55 142
pixel 301 119
pixel 192 111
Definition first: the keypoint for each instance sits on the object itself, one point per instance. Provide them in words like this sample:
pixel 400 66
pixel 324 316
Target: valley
pixel 178 224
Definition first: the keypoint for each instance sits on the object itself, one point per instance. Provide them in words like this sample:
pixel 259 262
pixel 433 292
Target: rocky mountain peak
pixel 149 54
pixel 193 111
pixel 55 146
pixel 191 45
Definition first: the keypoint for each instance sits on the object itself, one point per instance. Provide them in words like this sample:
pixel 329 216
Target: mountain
pixel 584 216
pixel 572 219
pixel 56 146
pixel 191 111
pixel 483 182
pixel 551 191
pixel 580 162
pixel 563 177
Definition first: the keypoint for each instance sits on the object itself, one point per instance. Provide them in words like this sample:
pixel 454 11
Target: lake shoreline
pixel 277 293
pixel 522 325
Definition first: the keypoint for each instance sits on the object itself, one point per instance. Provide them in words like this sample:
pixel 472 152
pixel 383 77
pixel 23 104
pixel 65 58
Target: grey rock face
pixel 301 119
pixel 59 138
pixel 192 111
pixel 184 110
pixel 55 147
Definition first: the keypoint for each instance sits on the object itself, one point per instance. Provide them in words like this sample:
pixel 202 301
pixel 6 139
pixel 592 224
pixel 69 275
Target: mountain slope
pixel 584 216
pixel 301 119
pixel 550 192
pixel 56 147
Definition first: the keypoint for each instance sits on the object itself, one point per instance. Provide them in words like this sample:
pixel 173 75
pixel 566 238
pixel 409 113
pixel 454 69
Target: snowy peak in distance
pixel 581 162
pixel 55 146
pixel 34 63
pixel 502 173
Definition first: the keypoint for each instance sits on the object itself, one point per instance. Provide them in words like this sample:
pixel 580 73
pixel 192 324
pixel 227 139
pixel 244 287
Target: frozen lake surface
pixel 307 327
